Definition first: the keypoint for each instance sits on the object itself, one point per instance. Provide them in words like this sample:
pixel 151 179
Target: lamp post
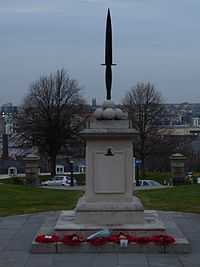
pixel 137 171
pixel 71 172
pixel 137 166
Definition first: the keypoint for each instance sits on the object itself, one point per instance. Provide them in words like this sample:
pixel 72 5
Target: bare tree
pixel 52 114
pixel 144 105
pixel 166 145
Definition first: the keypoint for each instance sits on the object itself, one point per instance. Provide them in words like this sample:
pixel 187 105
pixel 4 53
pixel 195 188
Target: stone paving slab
pixel 13 222
pixel 163 260
pixel 39 261
pixel 132 259
pixel 13 258
pixel 190 259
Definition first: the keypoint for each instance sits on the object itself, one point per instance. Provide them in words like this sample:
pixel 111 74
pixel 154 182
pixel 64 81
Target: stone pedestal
pixel 32 169
pixel 108 198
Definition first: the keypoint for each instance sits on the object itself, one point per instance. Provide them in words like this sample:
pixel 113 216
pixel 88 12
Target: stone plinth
pixel 109 213
pixel 109 175
pixel 32 168
pixel 177 161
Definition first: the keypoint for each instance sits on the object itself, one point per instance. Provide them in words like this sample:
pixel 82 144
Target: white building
pixel 196 122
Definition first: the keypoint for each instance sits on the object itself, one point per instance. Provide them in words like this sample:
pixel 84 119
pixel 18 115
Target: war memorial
pixel 109 218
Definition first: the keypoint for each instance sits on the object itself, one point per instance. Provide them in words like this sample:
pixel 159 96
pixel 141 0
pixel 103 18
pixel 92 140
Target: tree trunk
pixel 53 165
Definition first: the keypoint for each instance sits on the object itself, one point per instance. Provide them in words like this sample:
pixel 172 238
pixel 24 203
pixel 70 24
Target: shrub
pixel 18 180
pixel 80 178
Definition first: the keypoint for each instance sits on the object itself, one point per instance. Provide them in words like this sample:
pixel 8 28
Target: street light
pixel 71 172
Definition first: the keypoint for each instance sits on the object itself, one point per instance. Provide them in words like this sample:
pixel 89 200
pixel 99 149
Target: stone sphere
pixel 118 114
pixel 108 114
pixel 98 113
pixel 108 104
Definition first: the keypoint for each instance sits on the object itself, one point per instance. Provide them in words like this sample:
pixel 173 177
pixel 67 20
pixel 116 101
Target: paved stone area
pixel 17 233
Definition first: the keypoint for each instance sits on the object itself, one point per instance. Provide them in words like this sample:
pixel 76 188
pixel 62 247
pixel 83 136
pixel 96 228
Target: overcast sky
pixel 153 40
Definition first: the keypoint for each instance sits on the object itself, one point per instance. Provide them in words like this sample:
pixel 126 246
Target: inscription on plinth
pixel 109 172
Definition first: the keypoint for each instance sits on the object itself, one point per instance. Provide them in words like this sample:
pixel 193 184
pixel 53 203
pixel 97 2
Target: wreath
pixel 47 238
pixel 74 239
pixel 164 240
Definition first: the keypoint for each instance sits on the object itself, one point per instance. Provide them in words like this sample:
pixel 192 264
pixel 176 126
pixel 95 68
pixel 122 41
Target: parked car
pixel 59 180
pixel 149 183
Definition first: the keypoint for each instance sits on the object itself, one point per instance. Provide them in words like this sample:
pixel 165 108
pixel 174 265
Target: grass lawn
pixel 185 198
pixel 19 199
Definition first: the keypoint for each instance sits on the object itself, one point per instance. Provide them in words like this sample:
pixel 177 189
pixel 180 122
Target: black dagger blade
pixel 108 44
pixel 108 56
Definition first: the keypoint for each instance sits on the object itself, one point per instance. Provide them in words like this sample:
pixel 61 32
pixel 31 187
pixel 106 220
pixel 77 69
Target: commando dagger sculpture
pixel 108 56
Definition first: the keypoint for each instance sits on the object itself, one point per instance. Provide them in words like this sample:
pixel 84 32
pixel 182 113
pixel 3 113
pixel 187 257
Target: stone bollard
pixel 32 169
pixel 178 168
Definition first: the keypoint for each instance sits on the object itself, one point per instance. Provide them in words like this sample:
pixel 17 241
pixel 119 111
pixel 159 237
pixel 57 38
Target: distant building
pixel 196 122
pixel 9 165
pixel 8 108
pixel 7 112
pixel 94 102
pixel 2 125
pixel 179 131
